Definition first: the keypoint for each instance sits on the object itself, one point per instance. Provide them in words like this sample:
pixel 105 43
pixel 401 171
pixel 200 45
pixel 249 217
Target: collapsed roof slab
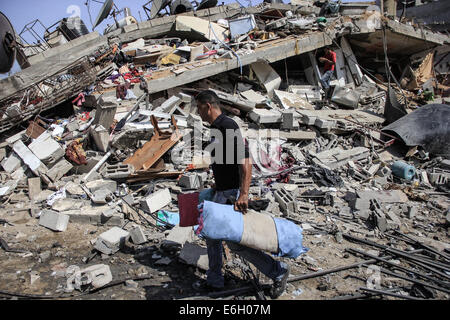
pixel 86 41
pixel 48 67
pixel 402 40
pixel 164 26
pixel 270 51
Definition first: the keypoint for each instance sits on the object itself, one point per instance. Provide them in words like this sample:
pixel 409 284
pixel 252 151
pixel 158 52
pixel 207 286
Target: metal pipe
pixel 396 252
pixel 298 278
pixel 324 272
pixel 394 274
pixel 394 265
pixel 97 166
pixel 442 274
pixel 423 245
pixel 235 291
pixel 387 293
pixel 415 258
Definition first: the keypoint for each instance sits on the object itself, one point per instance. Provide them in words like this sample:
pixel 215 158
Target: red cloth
pixel 127 76
pixel 332 57
pixel 188 205
pixel 79 100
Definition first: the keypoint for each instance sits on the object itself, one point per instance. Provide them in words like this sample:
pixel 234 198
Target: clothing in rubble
pixel 121 90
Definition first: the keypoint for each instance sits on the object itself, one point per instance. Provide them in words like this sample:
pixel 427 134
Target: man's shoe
pixel 202 285
pixel 279 286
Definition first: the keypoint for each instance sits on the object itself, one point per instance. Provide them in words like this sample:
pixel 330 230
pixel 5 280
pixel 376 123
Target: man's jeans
pixel 262 261
pixel 325 80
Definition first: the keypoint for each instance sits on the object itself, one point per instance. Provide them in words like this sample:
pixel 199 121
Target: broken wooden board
pixel 146 176
pixel 34 130
pixel 153 150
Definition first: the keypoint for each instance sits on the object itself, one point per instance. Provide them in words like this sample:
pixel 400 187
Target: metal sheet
pixel 104 12
pixel 205 4
pixel 427 127
pixel 7 56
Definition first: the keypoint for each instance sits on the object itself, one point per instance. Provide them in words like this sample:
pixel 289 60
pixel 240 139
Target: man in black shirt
pixel 232 169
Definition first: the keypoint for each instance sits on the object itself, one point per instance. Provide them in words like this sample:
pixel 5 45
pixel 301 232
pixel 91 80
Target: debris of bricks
pixel 345 111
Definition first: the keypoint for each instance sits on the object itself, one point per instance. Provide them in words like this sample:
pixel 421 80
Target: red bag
pixel 188 205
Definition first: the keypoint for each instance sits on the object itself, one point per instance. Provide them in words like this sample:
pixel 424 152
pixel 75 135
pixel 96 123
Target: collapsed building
pixel 98 133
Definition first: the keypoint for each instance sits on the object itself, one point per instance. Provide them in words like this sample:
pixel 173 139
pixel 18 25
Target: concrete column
pixel 390 7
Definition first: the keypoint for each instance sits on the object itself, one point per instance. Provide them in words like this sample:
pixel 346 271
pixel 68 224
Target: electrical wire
pixel 88 5
pixel 388 68
pixel 237 56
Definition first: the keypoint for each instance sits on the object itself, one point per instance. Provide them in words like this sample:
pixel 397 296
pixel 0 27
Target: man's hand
pixel 241 204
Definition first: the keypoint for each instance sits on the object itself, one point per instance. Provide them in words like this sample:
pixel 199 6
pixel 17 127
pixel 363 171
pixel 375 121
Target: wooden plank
pixel 152 176
pixel 154 149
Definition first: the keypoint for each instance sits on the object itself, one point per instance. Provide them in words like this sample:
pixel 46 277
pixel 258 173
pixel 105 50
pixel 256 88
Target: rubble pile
pixel 95 153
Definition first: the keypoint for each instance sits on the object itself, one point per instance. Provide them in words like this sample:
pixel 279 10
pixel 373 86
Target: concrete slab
pixel 59 170
pixel 101 137
pixel 33 162
pixel 11 163
pixel 267 76
pixel 53 220
pixel 194 255
pixel 111 241
pixel 34 187
pixel 337 157
pixel 102 184
pixel 264 116
pixel 384 196
pixel 157 201
pixel 95 216
pixel 137 235
pixel 47 149
pixel 292 100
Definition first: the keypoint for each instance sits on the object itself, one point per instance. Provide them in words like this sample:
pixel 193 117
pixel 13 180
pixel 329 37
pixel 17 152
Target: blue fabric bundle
pixel 290 238
pixel 222 222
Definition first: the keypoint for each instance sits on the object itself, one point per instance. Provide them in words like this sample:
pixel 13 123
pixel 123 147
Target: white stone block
pixel 47 149
pixel 109 242
pixel 54 220
pixel 157 200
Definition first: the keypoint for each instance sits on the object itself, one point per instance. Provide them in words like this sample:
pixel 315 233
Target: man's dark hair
pixel 207 96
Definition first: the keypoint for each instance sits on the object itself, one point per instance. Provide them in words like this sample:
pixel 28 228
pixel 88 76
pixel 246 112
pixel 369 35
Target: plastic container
pixel 403 170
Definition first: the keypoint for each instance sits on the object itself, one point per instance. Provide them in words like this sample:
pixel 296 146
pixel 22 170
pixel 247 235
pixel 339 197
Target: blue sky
pixel 21 12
